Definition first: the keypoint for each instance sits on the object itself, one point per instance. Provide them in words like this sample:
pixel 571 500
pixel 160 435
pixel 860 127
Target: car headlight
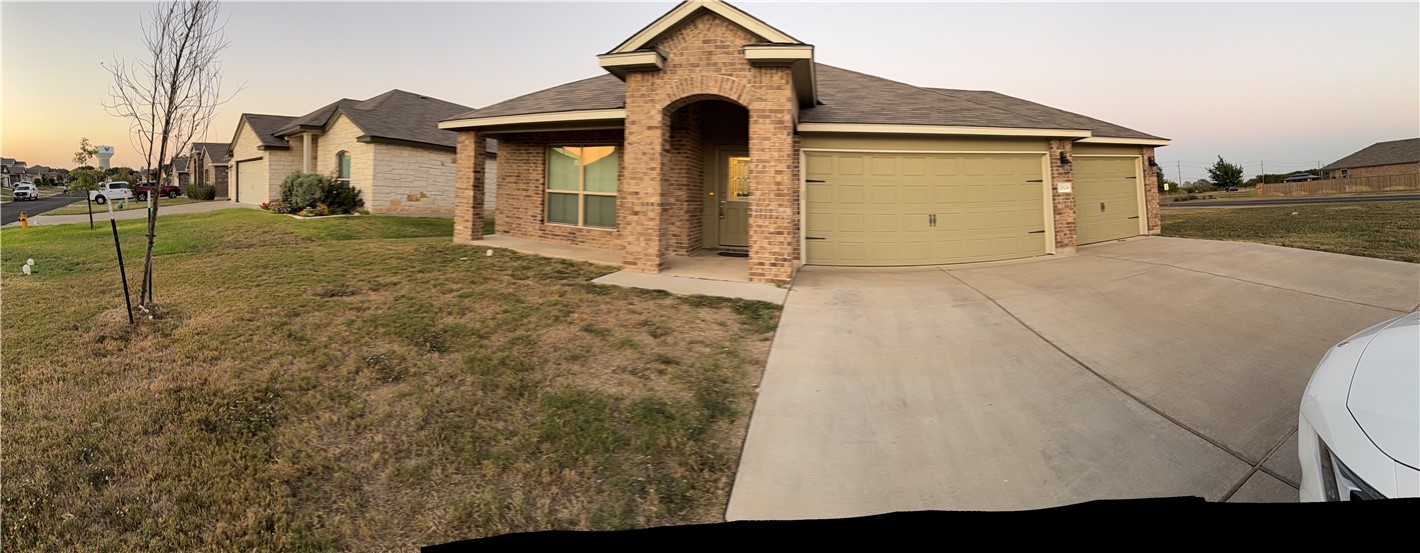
pixel 1335 477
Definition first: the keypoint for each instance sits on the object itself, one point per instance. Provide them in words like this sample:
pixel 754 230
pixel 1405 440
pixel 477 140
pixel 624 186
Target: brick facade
pixel 1064 202
pixel 1376 171
pixel 1151 191
pixel 685 170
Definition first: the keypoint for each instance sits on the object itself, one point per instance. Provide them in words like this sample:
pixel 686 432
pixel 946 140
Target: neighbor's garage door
pixel 251 181
pixel 921 209
pixel 1106 198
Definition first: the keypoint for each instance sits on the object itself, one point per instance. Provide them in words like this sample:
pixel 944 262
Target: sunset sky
pixel 1286 83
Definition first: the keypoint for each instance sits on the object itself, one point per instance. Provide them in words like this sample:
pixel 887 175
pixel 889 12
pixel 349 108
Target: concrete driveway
pixel 1149 367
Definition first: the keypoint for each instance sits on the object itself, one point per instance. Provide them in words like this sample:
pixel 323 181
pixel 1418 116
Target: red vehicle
pixel 141 191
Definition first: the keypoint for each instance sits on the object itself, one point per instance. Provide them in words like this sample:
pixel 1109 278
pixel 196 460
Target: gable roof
pixel 1381 153
pixel 393 116
pixel 180 164
pixel 214 152
pixel 688 10
pixel 845 96
pixel 265 127
pixel 1046 113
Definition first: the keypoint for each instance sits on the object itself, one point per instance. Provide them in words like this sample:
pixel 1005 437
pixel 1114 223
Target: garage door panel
pixel 251 181
pixel 980 216
pixel 1106 199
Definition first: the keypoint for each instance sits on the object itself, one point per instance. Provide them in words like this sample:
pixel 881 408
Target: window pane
pixel 738 178
pixel 601 211
pixel 562 208
pixel 344 165
pixel 562 168
pixel 601 163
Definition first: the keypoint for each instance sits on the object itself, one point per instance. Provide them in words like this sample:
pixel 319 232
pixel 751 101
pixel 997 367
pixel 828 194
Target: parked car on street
pixel 1358 436
pixel 1231 189
pixel 144 188
pixel 25 191
pixel 117 190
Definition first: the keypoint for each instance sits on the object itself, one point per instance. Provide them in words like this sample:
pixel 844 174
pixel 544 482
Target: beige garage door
pixel 1106 198
pixel 921 209
pixel 251 181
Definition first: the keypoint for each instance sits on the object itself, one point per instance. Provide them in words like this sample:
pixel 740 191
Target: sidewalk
pixel 101 213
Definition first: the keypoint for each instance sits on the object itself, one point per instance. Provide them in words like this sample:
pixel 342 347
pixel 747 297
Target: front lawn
pixel 355 383
pixel 1387 230
pixel 78 208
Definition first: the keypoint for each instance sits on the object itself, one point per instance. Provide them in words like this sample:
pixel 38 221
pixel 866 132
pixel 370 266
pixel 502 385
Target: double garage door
pixel 876 209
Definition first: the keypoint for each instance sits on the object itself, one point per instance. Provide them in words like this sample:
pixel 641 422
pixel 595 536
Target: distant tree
pixel 1223 174
pixel 86 152
pixel 85 178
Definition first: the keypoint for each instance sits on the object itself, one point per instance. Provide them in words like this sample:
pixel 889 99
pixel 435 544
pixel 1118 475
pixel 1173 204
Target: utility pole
pixel 1263 178
pixel 1179 166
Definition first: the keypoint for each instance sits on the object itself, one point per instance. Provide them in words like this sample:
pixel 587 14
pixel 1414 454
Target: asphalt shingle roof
pixel 845 97
pixel 394 115
pixel 1381 153
pixel 1046 113
pixel 214 151
pixel 265 127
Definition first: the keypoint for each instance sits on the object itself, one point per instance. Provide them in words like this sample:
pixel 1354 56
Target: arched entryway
pixel 707 174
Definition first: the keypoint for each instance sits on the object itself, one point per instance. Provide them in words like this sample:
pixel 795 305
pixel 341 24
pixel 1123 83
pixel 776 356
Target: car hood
pixel 1385 390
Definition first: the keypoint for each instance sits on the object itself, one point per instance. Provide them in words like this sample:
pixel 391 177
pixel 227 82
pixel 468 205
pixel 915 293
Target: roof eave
pixel 560 117
pixel 955 130
pixel 1158 142
pixel 685 10
pixel 404 142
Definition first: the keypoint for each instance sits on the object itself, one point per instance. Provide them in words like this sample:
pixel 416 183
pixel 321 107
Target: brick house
pixel 1396 157
pixel 715 132
pixel 389 147
pixel 209 165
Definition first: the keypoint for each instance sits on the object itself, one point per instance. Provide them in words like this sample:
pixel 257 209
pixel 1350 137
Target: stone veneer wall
pixel 341 136
pixel 1064 202
pixel 1151 191
pixel 412 180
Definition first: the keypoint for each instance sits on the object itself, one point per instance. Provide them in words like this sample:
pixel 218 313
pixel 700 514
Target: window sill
pixel 580 227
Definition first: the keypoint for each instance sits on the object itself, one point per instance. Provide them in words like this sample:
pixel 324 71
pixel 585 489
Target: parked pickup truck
pixel 117 190
pixel 25 191
pixel 144 188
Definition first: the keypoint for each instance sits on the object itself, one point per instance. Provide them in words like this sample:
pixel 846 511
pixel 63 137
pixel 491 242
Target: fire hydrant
pixel 24 220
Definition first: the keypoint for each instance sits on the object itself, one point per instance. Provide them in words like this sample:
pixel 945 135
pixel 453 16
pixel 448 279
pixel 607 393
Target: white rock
pixel 30 262
pixel 489 254
pixel 25 269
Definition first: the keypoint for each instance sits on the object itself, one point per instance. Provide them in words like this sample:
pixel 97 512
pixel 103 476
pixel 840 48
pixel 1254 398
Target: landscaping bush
pixel 302 190
pixel 340 197
pixel 311 194
pixel 201 192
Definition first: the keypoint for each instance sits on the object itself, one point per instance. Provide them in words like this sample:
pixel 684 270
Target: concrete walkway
pixel 101 213
pixel 705 275
pixel 1150 367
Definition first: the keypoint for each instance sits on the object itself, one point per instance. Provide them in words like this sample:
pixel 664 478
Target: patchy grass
pixel 79 208
pixel 1387 230
pixel 355 383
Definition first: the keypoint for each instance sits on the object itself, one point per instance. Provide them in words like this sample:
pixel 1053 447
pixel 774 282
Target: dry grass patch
pixel 1386 230
pixel 356 384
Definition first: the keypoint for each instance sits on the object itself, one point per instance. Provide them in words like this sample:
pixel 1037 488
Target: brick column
pixel 469 165
pixel 685 173
pixel 1151 191
pixel 642 190
pixel 774 179
pixel 1062 192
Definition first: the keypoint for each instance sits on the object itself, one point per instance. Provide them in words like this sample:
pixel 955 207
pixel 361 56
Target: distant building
pixel 208 165
pixel 1396 157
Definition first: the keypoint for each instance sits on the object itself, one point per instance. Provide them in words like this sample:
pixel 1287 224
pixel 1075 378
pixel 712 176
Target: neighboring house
pixel 209 165
pixel 5 165
pixel 179 173
pixel 389 147
pixel 1397 157
pixel 716 131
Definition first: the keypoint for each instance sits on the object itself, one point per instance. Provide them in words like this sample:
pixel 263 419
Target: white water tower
pixel 104 154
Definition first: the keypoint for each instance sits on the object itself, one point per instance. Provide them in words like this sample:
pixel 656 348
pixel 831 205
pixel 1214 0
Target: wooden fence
pixel 1384 183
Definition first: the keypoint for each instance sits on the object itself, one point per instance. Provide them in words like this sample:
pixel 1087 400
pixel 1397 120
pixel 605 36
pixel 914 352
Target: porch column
pixel 641 218
pixel 305 152
pixel 1062 194
pixel 774 186
pixel 1151 190
pixel 469 163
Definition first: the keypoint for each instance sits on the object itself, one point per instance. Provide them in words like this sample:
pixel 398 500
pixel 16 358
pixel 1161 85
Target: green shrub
pixel 340 197
pixel 302 190
pixel 201 191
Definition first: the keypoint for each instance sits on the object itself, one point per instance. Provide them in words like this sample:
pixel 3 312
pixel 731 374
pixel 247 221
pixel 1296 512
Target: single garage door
pixel 870 209
pixel 1106 198
pixel 251 181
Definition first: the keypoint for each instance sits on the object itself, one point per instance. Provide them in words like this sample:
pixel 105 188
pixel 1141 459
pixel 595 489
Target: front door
pixel 734 200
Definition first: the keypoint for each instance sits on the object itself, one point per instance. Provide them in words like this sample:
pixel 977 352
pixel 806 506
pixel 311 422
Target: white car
pixel 117 190
pixel 25 191
pixel 1358 436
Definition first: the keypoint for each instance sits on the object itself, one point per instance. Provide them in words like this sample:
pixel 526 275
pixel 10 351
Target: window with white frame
pixel 581 185
pixel 342 164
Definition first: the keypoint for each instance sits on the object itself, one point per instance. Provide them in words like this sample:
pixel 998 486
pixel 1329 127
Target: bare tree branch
pixel 170 95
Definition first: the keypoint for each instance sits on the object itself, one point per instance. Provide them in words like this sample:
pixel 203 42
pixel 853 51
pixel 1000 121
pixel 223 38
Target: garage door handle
pixel 1101 206
pixel 1134 217
pixel 814 238
pixel 1036 232
pixel 812 181
pixel 1036 180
